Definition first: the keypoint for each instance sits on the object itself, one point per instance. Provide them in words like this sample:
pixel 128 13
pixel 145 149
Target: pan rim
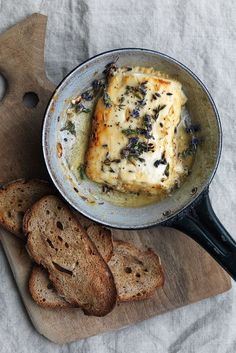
pixel 182 66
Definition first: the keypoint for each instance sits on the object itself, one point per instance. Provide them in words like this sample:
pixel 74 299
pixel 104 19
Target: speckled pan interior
pixel 201 108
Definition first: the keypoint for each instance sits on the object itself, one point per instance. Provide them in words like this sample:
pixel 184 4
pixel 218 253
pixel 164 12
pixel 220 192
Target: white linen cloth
pixel 202 35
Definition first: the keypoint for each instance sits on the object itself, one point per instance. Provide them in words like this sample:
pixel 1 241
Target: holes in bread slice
pixel 59 225
pixel 62 269
pixel 50 243
pixel 128 269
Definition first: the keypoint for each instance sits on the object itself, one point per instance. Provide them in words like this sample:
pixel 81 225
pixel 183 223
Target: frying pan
pixel 189 208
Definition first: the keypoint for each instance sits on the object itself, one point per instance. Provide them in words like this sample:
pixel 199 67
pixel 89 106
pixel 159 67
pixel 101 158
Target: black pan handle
pixel 202 225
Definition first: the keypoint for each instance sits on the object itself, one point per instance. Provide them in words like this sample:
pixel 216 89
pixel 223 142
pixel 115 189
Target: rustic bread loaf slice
pixel 102 239
pixel 56 240
pixel 42 289
pixel 16 197
pixel 137 273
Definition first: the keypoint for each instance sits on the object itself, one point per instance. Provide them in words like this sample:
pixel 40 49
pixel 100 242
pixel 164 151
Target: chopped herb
pixel 128 68
pixel 192 128
pixel 65 139
pixel 112 170
pixel 133 140
pixel 122 98
pixel 161 125
pixel 175 130
pixel 167 171
pixel 81 169
pixel 157 111
pixel 86 110
pixel 138 95
pixel 110 69
pixel 135 148
pixel 159 161
pixel 128 89
pixel 105 145
pixel 121 106
pixel 98 84
pixel 141 160
pixel 87 95
pixel 169 94
pixel 142 102
pixel 116 161
pixel 80 108
pixel 107 100
pixel 143 88
pixel 107 161
pixel 155 96
pixel 191 149
pixel 147 122
pixel 130 131
pixel 70 127
pixel 135 113
pixel 195 141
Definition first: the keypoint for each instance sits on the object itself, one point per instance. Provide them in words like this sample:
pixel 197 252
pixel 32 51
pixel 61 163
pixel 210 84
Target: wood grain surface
pixel 191 274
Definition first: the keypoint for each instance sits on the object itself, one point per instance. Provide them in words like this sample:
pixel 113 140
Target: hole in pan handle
pixel 202 225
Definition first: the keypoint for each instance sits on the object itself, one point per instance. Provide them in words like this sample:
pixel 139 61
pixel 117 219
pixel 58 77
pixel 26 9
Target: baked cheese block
pixel 133 144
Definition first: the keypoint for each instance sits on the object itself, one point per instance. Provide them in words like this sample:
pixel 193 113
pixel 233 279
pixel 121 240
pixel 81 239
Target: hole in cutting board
pixel 3 86
pixel 30 99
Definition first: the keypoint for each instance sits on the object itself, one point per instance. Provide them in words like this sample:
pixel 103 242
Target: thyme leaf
pixel 70 127
pixel 81 169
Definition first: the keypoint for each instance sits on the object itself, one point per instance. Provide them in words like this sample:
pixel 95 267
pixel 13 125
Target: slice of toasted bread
pixel 136 273
pixel 16 197
pixel 102 239
pixel 56 240
pixel 42 289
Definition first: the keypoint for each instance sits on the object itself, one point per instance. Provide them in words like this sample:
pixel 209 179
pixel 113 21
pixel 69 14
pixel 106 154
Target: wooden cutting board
pixel 191 274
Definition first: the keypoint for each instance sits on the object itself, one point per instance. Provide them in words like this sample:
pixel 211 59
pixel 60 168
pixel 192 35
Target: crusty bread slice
pixel 137 273
pixel 102 239
pixel 16 197
pixel 42 289
pixel 56 240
